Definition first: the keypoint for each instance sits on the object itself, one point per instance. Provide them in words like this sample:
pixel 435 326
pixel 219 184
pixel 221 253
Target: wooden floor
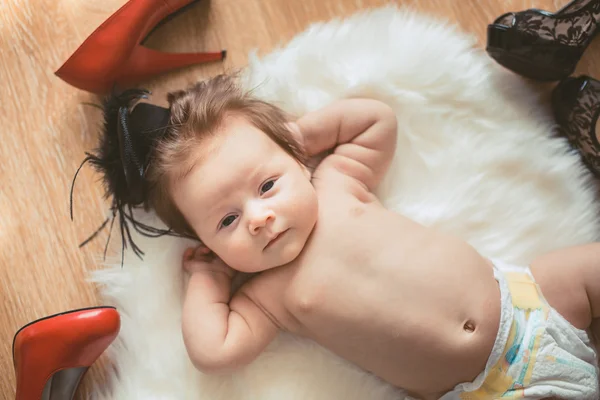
pixel 46 127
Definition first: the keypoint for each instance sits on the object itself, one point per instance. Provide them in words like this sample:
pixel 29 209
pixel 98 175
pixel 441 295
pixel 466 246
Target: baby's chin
pixel 288 254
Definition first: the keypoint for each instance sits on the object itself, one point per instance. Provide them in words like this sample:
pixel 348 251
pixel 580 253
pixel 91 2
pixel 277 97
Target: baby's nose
pixel 259 220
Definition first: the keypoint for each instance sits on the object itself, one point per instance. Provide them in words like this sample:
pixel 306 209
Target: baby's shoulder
pixel 268 289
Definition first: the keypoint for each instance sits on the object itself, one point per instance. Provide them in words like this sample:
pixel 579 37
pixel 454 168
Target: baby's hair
pixel 196 114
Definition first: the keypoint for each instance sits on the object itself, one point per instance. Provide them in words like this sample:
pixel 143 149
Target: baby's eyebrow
pixel 221 190
pixel 213 209
pixel 210 220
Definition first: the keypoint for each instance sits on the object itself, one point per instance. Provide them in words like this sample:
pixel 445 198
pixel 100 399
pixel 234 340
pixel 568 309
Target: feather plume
pixel 129 135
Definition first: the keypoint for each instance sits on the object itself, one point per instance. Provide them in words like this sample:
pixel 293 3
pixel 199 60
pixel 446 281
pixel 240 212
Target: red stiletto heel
pixel 113 54
pixel 52 354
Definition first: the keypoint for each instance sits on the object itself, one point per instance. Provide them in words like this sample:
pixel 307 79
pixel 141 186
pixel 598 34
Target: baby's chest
pixel 343 227
pixel 342 290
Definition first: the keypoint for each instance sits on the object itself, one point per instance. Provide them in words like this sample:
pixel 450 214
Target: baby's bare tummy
pixel 417 308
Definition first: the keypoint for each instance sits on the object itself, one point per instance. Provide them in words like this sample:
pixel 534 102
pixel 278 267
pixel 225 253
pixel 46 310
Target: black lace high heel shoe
pixel 542 45
pixel 576 104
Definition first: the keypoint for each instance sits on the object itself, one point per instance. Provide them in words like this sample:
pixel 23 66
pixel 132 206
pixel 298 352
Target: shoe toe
pixel 507 19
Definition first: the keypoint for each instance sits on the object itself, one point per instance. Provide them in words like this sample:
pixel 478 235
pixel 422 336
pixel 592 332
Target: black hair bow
pixel 130 134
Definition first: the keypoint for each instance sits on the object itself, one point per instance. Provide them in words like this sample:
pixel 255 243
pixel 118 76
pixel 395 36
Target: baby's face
pixel 248 200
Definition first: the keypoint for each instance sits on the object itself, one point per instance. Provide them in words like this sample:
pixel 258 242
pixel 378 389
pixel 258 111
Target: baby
pixel 419 308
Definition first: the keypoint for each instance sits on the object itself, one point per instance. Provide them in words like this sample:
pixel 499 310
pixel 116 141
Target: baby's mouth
pixel 275 239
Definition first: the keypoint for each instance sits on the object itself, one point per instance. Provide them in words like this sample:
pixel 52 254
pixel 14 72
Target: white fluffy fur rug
pixel 475 157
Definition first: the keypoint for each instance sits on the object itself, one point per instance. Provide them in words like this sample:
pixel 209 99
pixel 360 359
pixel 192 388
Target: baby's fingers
pixel 200 252
pixel 188 254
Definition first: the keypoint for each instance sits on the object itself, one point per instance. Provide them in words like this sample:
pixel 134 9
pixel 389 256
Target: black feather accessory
pixel 130 134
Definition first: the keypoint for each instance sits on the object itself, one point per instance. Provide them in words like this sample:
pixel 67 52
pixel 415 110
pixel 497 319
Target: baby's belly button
pixel 469 326
pixel 478 337
pixel 481 316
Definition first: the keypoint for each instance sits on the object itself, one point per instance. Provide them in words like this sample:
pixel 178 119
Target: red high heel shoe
pixel 52 354
pixel 113 54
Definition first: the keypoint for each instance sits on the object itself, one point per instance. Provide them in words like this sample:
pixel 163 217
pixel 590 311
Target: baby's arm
pixel 220 334
pixel 570 281
pixel 363 132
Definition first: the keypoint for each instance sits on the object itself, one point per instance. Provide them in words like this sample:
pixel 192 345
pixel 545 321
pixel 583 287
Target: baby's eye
pixel 267 186
pixel 230 219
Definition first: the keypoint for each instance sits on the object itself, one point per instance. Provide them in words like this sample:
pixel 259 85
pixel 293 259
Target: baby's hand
pixel 202 259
